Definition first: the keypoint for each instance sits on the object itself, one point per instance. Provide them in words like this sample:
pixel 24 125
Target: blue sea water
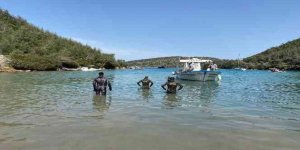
pixel 249 107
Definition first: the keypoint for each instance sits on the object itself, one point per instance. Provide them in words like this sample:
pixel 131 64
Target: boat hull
pixel 199 76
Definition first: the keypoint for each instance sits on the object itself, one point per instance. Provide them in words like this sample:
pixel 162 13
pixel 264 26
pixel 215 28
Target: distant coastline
pixel 285 57
pixel 173 61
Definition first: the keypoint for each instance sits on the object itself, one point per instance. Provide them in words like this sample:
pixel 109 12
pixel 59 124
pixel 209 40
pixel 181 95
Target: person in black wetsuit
pixel 100 84
pixel 171 85
pixel 146 83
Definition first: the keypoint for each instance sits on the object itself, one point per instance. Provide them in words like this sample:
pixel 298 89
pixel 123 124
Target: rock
pixel 7 69
pixel 3 61
pixel 4 67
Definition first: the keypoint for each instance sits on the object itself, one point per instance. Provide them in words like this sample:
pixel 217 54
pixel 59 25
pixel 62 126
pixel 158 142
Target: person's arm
pixel 151 83
pixel 180 86
pixel 163 86
pixel 138 83
pixel 94 84
pixel 109 85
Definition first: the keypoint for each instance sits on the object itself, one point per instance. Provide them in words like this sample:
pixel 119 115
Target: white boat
pixel 135 68
pixel 197 73
pixel 69 69
pixel 88 69
pixel 275 70
pixel 238 68
pixel 243 69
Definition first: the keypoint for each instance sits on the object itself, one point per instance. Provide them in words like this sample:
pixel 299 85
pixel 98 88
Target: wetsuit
pixel 146 83
pixel 100 85
pixel 172 86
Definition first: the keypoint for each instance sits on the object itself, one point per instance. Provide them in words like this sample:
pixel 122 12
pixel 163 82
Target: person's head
pixel 101 74
pixel 146 77
pixel 171 79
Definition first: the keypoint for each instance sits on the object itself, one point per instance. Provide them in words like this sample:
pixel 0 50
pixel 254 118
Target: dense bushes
pixel 34 62
pixel 285 56
pixel 36 49
pixel 69 64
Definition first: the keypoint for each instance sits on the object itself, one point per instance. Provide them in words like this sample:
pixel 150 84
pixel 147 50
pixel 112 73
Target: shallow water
pixel 58 110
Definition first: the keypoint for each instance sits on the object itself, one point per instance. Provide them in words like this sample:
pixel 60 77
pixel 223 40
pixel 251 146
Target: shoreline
pixel 5 67
pixel 13 70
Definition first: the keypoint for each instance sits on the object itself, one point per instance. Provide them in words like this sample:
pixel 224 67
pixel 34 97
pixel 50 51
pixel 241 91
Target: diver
pixel 171 85
pixel 100 84
pixel 146 83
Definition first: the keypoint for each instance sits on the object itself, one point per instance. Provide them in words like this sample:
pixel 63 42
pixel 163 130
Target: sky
pixel 137 29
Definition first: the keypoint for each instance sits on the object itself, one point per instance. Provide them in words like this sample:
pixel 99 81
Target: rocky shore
pixel 4 67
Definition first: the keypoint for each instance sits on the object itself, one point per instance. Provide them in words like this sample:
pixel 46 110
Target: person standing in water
pixel 100 84
pixel 171 85
pixel 146 83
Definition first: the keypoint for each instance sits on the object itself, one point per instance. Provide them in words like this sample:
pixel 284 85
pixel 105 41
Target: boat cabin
pixel 194 64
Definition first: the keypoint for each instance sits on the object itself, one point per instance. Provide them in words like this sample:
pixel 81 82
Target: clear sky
pixel 134 29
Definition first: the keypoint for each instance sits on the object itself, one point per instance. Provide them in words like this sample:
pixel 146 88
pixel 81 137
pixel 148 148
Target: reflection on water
pixel 146 94
pixel 172 100
pixel 101 103
pixel 203 92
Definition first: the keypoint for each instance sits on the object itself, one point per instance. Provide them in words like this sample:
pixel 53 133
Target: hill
pixel 30 47
pixel 173 62
pixel 285 56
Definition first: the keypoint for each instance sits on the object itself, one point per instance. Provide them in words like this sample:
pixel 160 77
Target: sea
pixel 246 110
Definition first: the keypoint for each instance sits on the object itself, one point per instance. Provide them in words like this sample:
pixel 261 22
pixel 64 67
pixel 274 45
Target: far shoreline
pixel 12 70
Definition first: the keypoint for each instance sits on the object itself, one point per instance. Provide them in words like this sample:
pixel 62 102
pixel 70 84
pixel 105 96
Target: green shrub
pixel 69 64
pixel 34 62
pixel 36 49
pixel 109 65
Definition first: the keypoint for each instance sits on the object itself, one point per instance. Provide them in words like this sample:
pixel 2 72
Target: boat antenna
pixel 239 60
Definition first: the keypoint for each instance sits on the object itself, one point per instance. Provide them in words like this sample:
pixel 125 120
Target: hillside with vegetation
pixel 285 56
pixel 29 47
pixel 173 61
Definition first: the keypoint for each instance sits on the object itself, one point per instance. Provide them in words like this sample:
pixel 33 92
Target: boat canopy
pixel 194 63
